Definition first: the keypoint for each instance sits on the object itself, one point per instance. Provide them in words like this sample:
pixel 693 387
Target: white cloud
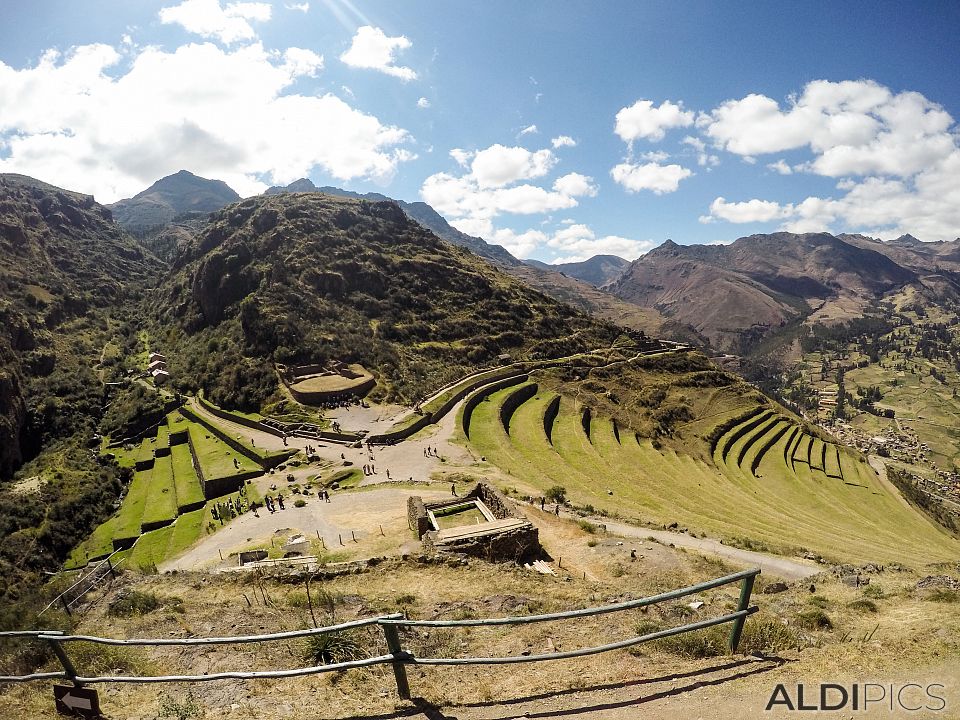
pixel 574 185
pixel 852 127
pixel 208 18
pixel 578 242
pixel 495 184
pixel 652 176
pixel 373 50
pixel 529 130
pixel 746 212
pixel 303 7
pixel 704 159
pixel 896 157
pixel 423 103
pixel 498 165
pixel 573 242
pixel 461 156
pixel 644 120
pixel 223 114
pixel 657 156
pixel 521 245
pixel 780 166
pixel 563 141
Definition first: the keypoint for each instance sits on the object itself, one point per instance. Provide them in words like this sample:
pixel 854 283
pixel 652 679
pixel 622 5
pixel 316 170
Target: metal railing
pixel 391 625
pixel 84 584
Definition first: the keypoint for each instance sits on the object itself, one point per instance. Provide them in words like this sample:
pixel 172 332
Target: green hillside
pixel 310 278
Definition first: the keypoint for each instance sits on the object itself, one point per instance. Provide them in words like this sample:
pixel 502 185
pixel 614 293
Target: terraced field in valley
pixel 771 482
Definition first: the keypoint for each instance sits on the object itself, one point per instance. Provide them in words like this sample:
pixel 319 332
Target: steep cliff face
pixel 64 267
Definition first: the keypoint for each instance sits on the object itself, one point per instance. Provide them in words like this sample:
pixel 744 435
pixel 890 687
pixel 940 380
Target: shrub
pixel 943 595
pixel 406 599
pixel 177 710
pixel 134 602
pixel 818 601
pixel 864 606
pixel 874 591
pixel 330 648
pixel 763 636
pixel 698 644
pixel 815 619
pixel 587 526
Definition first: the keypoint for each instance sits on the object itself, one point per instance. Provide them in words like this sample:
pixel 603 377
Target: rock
pixel 673 526
pixel 938 581
pixel 850 580
pixel 774 588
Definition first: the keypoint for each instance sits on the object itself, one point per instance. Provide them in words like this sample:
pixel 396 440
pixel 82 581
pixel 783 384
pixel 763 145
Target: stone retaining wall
pixel 483 393
pixel 432 418
pixel 417 517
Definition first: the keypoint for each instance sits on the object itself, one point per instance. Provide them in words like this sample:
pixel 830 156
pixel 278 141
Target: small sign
pixel 76 701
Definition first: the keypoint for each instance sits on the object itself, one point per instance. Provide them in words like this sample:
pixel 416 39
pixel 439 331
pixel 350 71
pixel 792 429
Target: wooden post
pixel 323 544
pixel 381 530
pixel 65 661
pixel 318 536
pixel 113 575
pixel 340 538
pixel 746 587
pixel 249 604
pixel 220 553
pixel 399 671
pixel 66 605
pixel 353 535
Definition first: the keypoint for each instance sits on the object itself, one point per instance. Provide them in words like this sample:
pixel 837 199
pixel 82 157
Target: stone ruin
pixel 505 535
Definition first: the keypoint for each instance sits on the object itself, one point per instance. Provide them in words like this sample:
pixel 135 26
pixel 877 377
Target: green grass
pixel 98 544
pixel 855 519
pixel 145 451
pixel 151 549
pixel 131 511
pixel 216 458
pixel 184 476
pixel 161 504
pixel 346 478
pixel 436 403
pixel 468 516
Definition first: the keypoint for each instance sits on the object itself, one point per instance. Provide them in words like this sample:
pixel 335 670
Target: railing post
pixel 65 661
pixel 746 587
pixel 399 671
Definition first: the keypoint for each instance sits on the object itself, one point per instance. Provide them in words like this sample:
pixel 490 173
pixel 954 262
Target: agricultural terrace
pixel 164 510
pixel 770 485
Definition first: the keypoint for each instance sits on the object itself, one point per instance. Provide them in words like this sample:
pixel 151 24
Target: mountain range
pixel 723 296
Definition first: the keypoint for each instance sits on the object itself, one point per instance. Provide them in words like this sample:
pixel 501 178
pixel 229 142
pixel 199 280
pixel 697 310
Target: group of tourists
pixel 272 504
pixel 430 452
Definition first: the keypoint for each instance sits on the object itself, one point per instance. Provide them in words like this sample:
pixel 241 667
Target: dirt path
pixel 782 567
pixel 362 514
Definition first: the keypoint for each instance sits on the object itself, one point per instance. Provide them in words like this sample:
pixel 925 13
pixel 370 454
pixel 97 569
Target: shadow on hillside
pixel 581 701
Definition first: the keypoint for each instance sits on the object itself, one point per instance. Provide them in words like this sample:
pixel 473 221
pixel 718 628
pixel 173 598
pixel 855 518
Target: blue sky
pixel 558 129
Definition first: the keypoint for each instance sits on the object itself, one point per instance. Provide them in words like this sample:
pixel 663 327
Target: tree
pixel 557 494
